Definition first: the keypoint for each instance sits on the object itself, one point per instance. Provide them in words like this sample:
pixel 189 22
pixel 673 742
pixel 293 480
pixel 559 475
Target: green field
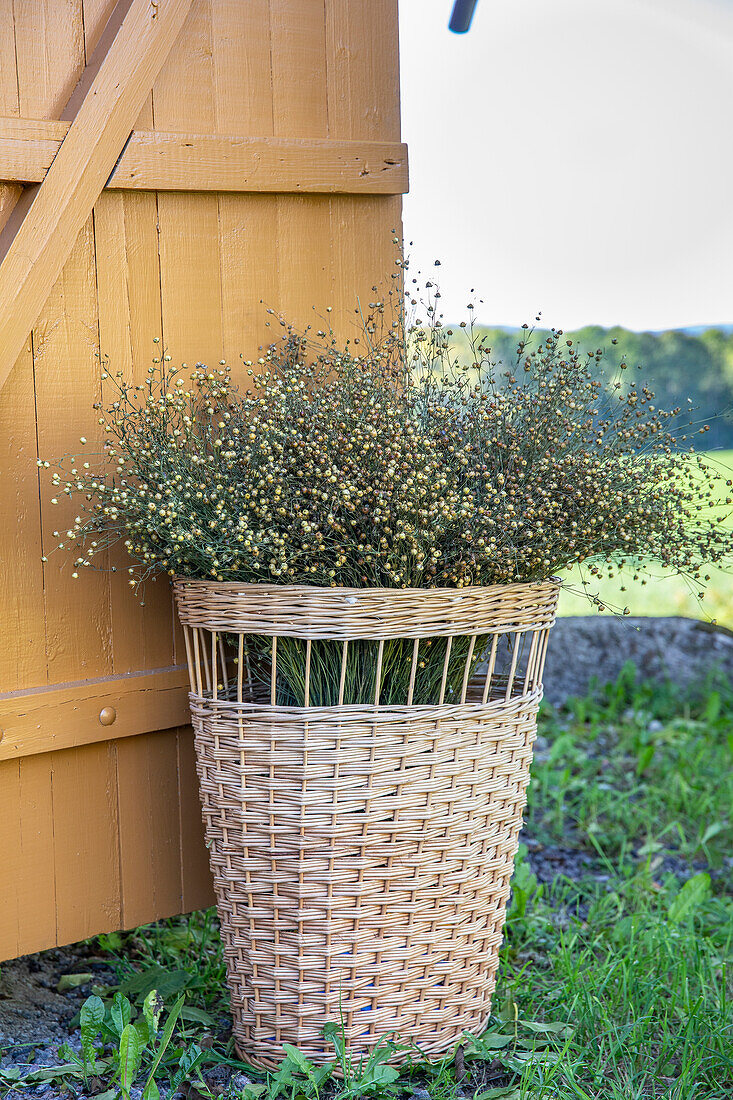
pixel 661 595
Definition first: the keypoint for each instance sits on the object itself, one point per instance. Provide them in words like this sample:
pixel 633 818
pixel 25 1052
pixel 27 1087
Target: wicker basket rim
pixel 305 590
pixel 381 712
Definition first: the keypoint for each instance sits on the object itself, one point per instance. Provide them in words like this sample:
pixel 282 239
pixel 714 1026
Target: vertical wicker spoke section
pixel 362 793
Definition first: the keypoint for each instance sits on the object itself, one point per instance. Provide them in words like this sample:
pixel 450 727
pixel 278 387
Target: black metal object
pixel 462 15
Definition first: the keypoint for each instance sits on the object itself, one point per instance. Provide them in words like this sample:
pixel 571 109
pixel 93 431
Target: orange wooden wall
pixel 100 825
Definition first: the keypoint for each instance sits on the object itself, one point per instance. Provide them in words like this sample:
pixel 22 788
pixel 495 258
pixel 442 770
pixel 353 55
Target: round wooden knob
pixel 107 715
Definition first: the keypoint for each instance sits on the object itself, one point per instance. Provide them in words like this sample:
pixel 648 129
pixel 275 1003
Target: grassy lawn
pixel 615 981
pixel 661 595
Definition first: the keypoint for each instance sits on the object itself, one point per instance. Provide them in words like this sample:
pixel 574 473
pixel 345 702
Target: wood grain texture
pixel 69 715
pixel 79 170
pixel 13 879
pixel 150 861
pixel 198 885
pixel 200 162
pixel 155 161
pixel 65 333
pixel 192 318
pixel 128 290
pixel 22 657
pixel 23 652
pixel 267 89
pixel 48 59
pixel 247 223
pixel 37 892
pixel 49 48
pixel 86 841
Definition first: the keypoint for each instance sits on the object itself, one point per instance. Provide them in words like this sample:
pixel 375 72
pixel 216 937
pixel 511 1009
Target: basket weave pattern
pixel 362 853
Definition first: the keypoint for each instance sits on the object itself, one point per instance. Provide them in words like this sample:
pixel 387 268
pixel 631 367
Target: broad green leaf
pixel 130 1056
pixel 151 1090
pixel 541 1028
pixel 110 941
pixel 50 1073
pixel 120 1013
pixel 519 901
pixel 519 1058
pixel 253 1091
pixel 713 830
pixel 280 1080
pixel 72 981
pixel 380 1074
pixel 189 1060
pixel 152 1008
pixel 197 1016
pixel 492 1040
pixel 91 1018
pixel 321 1074
pixel 299 1060
pixel 509 1011
pixel 693 893
pixel 167 982
pixel 334 1032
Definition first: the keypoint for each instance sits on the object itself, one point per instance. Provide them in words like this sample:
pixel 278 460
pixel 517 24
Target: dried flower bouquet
pixel 402 459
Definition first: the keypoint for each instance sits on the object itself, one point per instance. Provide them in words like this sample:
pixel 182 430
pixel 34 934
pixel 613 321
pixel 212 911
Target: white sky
pixel 574 157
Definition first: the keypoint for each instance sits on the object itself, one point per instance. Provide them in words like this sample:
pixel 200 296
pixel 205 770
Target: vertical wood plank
pixel 192 322
pixel 96 15
pixel 48 44
pixel 183 95
pixel 196 267
pixel 183 98
pixel 23 652
pixel 126 249
pixel 247 223
pixel 86 841
pixel 37 891
pixel 22 662
pixel 150 864
pixel 12 873
pixel 51 56
pixel 65 342
pixel 198 886
pixel 9 105
pixel 250 276
pixel 50 51
pixel 300 109
pixel 190 277
pixel 241 44
pixel 363 103
pixel 305 259
pixel 363 70
pixel 27 887
pixel 298 32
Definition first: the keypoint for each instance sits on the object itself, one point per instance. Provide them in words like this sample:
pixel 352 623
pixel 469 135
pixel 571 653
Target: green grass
pixel 662 594
pixel 615 985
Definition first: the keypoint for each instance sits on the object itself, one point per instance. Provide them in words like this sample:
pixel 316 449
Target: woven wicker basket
pixel 362 851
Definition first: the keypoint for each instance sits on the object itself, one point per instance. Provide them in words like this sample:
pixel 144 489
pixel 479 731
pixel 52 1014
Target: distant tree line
pixel 676 364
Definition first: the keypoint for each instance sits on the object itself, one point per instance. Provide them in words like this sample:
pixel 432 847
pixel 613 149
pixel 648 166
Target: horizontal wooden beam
pixel 64 716
pixel 154 161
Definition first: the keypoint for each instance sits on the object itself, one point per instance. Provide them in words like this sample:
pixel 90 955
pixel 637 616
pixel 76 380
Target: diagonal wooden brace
pixel 86 157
